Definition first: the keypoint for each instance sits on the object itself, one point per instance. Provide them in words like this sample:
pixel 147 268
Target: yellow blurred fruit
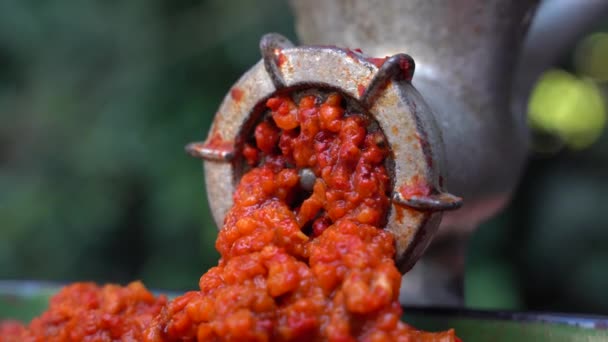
pixel 569 107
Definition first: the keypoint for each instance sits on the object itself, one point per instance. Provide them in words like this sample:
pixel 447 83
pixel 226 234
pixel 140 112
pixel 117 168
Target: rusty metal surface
pixel 386 92
pixel 435 202
pixel 465 51
pixel 254 86
pixel 468 72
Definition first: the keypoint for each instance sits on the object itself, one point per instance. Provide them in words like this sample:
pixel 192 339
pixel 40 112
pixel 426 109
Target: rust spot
pixel 399 213
pixel 406 68
pixel 377 61
pixel 215 148
pixel 353 54
pixel 281 59
pixel 216 142
pixel 395 130
pixel 236 94
pixel 403 236
pixel 361 89
pixel 415 187
pixel 402 212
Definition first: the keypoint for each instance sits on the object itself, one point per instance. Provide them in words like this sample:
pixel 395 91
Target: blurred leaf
pixel 98 100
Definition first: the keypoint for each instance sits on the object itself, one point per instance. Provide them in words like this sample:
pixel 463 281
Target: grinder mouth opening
pixel 260 113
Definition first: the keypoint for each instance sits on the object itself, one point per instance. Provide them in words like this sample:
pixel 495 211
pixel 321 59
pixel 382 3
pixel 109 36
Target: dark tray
pixel 23 300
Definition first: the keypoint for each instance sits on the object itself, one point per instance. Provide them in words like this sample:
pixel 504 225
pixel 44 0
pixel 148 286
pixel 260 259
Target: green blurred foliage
pixel 98 98
pixel 591 55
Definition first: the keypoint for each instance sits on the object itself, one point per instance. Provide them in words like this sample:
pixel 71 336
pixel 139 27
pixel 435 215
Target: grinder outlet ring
pixel 381 86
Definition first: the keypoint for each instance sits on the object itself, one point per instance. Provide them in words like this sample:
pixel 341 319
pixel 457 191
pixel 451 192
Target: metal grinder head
pixel 382 88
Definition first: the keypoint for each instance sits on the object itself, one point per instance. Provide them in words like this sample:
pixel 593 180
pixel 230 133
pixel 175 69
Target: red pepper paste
pixel 87 312
pixel 302 268
pixel 11 330
pixel 296 264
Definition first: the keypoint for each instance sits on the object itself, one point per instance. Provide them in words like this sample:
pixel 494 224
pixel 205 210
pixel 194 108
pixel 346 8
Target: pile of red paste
pixel 298 262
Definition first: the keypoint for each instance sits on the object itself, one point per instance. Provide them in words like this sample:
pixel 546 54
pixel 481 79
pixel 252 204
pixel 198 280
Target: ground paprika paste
pixel 303 254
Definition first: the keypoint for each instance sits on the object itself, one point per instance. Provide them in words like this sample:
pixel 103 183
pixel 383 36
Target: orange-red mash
pixel 87 312
pixel 296 265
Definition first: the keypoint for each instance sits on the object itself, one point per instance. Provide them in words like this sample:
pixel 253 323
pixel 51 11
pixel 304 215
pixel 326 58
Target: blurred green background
pixel 98 99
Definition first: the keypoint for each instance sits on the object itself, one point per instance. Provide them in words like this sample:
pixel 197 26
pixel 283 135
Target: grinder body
pixel 454 125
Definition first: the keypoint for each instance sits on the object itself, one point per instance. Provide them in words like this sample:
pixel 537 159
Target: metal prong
pixel 439 202
pixel 399 67
pixel 271 45
pixel 202 151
